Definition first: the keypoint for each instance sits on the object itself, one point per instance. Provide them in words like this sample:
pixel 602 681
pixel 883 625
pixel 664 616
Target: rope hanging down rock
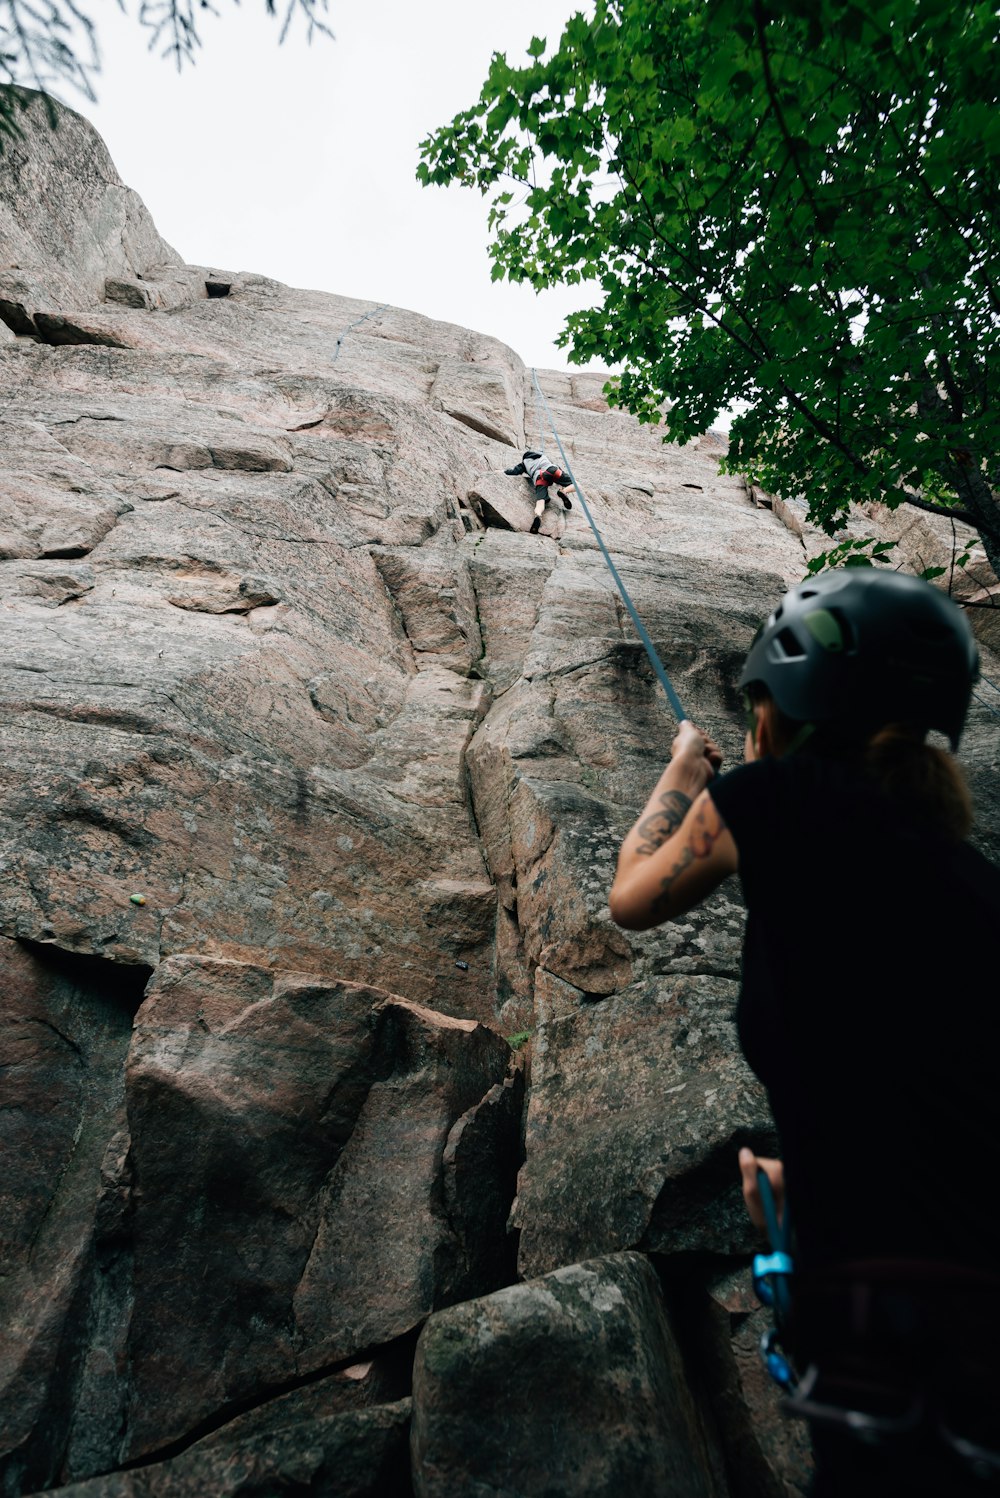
pixel 985 681
pixel 356 324
pixel 988 705
pixel 650 648
pixel 654 659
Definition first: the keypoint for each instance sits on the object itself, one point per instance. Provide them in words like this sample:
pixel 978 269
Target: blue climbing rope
pixel 771 1275
pixel 356 324
pixel 650 648
pixel 988 705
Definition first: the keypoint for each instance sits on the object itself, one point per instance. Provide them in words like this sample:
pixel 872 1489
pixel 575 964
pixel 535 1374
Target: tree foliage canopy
pixel 789 207
pixel 51 45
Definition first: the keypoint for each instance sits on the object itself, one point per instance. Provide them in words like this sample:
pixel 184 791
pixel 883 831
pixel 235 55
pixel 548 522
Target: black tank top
pixel 870 1010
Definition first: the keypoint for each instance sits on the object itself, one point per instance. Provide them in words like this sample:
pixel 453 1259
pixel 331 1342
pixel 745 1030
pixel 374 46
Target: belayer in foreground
pixel 870 1010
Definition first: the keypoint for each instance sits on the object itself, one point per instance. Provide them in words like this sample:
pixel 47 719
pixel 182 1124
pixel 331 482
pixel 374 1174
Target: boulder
pixel 571 1384
pixel 503 503
pixel 638 1105
pixel 64 1195
pixel 287 1141
pixel 356 1454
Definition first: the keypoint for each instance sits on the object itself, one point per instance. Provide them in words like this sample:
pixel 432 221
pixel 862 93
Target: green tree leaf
pixel 796 216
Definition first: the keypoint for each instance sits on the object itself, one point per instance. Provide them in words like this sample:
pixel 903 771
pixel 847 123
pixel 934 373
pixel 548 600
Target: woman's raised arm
pixel 679 849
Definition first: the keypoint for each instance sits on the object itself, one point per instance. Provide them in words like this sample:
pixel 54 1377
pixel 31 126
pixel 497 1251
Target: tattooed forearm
pixel 656 828
pixel 705 830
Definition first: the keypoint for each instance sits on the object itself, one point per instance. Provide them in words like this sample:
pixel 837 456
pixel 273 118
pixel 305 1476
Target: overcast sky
pixel 298 161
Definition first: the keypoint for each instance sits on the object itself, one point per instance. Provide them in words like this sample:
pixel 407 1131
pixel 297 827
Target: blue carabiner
pixel 765 1265
pixel 775 1361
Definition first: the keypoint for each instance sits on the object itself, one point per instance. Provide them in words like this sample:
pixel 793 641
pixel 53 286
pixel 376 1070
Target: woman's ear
pixel 764 737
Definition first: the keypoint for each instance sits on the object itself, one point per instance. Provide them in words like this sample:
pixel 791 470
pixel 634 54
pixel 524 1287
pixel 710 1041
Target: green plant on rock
pixel 786 207
pixel 519 1039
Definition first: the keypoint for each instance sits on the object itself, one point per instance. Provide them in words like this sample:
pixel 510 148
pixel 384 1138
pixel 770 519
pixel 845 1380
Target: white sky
pixel 298 161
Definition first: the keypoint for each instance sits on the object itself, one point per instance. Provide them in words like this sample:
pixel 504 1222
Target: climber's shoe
pixel 567 502
pixel 535 525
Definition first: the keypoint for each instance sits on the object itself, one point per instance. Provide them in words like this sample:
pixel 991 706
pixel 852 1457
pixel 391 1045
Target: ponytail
pixel 925 779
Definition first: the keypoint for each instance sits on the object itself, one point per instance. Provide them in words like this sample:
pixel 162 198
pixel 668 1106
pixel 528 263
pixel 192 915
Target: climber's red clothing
pixel 549 476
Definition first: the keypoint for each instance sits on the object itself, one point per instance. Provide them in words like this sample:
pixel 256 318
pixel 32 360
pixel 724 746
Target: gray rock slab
pixel 287 1139
pixel 274 666
pixel 638 1105
pixel 64 1033
pixel 414 1258
pixel 480 396
pixel 508 574
pixel 356 1454
pixel 767 1454
pixel 435 596
pixel 481 1159
pixel 92 226
pixel 569 1384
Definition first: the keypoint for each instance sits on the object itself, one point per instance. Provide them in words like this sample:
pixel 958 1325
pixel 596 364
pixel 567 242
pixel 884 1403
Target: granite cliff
pixel 314 769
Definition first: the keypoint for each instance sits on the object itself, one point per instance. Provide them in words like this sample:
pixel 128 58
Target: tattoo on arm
pixel 706 828
pixel 659 825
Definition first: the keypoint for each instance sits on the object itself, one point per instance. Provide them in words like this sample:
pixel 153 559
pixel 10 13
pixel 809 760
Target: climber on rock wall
pixel 868 1010
pixel 540 473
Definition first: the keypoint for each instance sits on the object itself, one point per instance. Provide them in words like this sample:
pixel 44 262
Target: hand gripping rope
pixel 650 648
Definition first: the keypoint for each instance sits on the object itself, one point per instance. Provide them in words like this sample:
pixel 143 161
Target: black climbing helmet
pixel 529 454
pixel 861 648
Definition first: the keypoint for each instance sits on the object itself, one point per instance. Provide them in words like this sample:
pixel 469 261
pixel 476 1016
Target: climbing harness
pixel 867 1407
pixel 356 324
pixel 771 1273
pixel 886 1403
pixel 650 648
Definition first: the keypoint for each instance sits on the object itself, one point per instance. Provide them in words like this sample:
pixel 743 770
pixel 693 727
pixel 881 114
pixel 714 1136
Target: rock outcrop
pixel 585 1387
pixel 315 765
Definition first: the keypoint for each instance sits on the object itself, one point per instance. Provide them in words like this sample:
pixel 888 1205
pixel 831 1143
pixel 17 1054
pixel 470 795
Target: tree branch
pixel 966 516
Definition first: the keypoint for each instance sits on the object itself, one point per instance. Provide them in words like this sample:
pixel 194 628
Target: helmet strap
pixel 805 732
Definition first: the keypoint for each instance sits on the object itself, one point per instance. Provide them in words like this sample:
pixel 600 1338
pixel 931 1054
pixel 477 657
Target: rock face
pixel 69 227
pixel 315 765
pixel 307 1119
pixel 623 1420
pixel 299 1445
